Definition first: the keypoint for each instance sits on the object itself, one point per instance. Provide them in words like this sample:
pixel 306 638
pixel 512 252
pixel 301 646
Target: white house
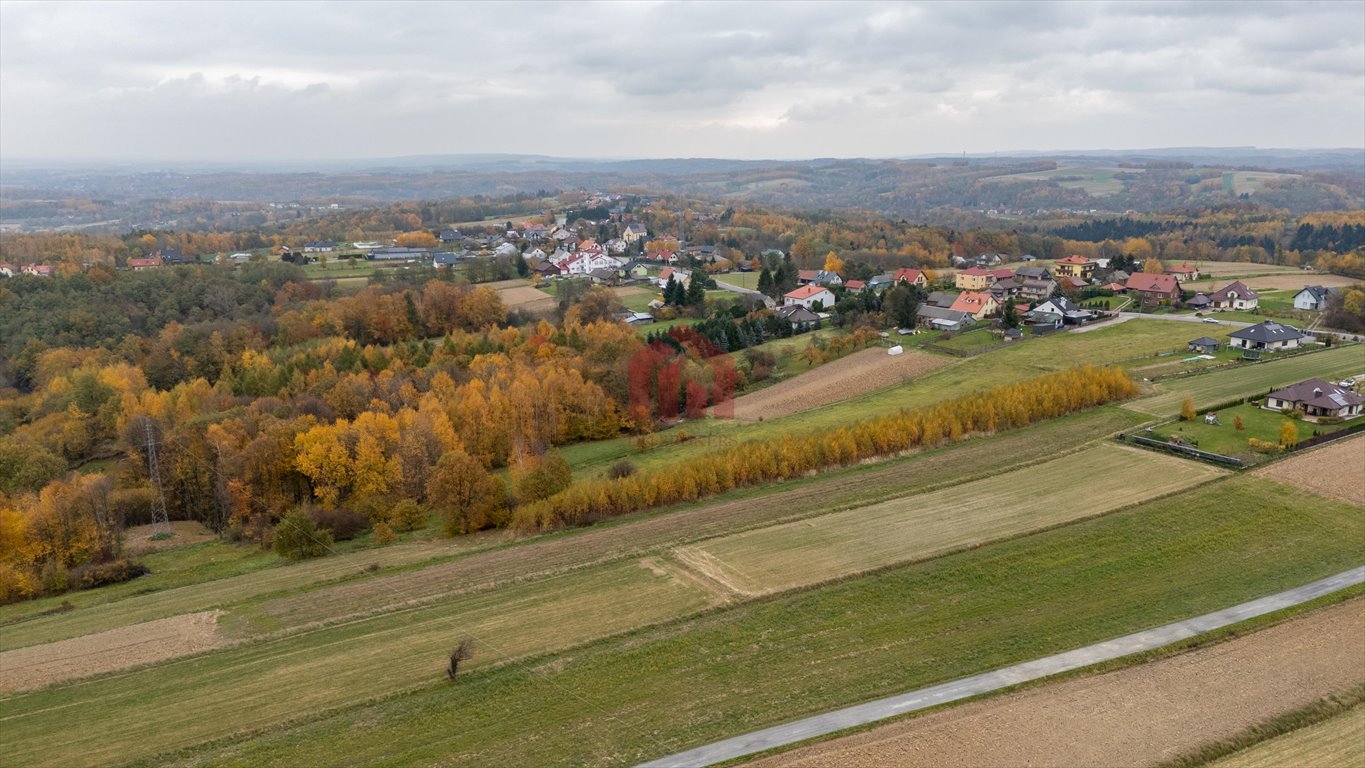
pixel 681 276
pixel 1313 298
pixel 1235 296
pixel 808 295
pixel 584 262
pixel 1269 336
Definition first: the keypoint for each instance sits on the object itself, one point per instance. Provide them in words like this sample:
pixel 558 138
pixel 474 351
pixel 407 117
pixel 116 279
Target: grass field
pixel 1219 386
pixel 1133 343
pixel 1250 182
pixel 770 661
pixel 1094 180
pixel 742 279
pixel 1224 438
pixel 1338 741
pixel 917 527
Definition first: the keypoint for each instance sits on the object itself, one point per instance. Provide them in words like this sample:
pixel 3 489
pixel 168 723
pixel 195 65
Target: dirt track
pixel 856 374
pixel 1333 470
pixel 1136 716
pixel 40 665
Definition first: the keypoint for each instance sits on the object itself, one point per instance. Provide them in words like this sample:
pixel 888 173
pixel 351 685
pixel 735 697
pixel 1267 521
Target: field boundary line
pixel 912 701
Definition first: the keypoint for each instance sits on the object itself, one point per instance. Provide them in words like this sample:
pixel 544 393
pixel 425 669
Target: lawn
pixel 1224 438
pixel 742 279
pixel 771 661
pixel 1338 741
pixel 1245 380
pixel 967 341
pixel 917 527
pixel 337 267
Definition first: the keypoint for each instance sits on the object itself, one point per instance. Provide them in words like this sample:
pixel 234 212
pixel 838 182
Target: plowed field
pixel 859 373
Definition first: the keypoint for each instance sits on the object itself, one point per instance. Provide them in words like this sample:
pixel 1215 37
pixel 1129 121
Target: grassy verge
pixel 1327 732
pixel 773 660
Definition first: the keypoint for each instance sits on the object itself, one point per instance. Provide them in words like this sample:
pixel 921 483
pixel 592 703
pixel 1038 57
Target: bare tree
pixel 462 651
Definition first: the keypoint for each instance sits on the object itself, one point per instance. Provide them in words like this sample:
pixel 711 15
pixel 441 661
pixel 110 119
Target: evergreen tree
pixel 695 295
pixel 1010 317
pixel 765 282
pixel 671 291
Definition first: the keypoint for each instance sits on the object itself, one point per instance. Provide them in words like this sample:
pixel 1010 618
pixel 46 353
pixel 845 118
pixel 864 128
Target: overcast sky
pixel 251 81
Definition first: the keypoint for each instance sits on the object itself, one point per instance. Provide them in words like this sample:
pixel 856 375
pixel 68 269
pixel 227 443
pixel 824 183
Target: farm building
pixel 1313 297
pixel 1316 397
pixel 1269 336
pixel 808 296
pixel 1234 296
pixel 942 319
pixel 1198 301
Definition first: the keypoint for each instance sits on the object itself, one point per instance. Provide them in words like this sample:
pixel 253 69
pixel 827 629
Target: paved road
pixel 721 284
pixel 1180 319
pixel 872 711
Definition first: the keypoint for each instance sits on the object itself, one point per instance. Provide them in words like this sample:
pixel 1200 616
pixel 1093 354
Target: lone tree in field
pixel 462 651
pixel 1187 410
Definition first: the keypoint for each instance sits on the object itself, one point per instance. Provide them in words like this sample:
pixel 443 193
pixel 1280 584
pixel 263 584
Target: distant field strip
pixel 259 685
pixel 1085 484
pixel 1212 388
pixel 1339 741
pixel 861 372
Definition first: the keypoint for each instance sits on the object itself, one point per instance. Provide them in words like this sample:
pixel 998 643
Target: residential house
pixel 617 245
pixel 1204 345
pixel 856 286
pixel 1001 275
pixel 1313 297
pixel 974 279
pixel 1184 273
pixel 978 305
pixel 534 253
pixel 37 270
pixel 1119 276
pixel 172 256
pixel 1114 287
pixel 240 256
pixel 636 318
pixel 680 276
pixel 1198 302
pixel 585 261
pixel 142 265
pixel 7 270
pixel 799 316
pixel 881 282
pixel 1316 397
pixel 1046 321
pixel 911 276
pixel 1154 288
pixel 1031 289
pixel 1235 296
pixel 546 269
pixel 319 246
pixel 444 259
pixel 635 270
pixel 942 318
pixel 942 299
pixel 1071 283
pixel 809 296
pixel 604 276
pixel 450 236
pixel 633 233
pixel 505 250
pixel 1032 273
pixel 1075 266
pixel 1268 336
pixel 818 277
pixel 535 233
pixel 1071 312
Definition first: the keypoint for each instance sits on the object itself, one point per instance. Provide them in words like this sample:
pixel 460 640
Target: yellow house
pixel 978 305
pixel 1075 266
pixel 974 279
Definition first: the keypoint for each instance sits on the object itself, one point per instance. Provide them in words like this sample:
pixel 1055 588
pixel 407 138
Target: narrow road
pixel 1180 319
pixel 872 711
pixel 740 289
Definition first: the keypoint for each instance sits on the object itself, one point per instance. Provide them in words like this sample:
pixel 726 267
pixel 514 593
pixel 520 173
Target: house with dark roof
pixel 1070 311
pixel 942 318
pixel 800 317
pixel 1153 287
pixel 1313 298
pixel 1269 336
pixel 1198 301
pixel 1033 273
pixel 818 277
pixel 444 259
pixel 1316 397
pixel 1234 296
pixel 1033 289
pixel 943 299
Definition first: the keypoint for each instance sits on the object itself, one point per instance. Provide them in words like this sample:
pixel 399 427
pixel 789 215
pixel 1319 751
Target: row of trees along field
pixel 761 461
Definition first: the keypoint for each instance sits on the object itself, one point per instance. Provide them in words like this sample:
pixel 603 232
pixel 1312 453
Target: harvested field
pixel 184 532
pixel 160 640
pixel 622 291
pixel 502 285
pixel 1332 743
pixel 1334 470
pixel 526 298
pixel 1288 281
pixel 1243 268
pixel 864 371
pixel 1130 717
pixel 917 527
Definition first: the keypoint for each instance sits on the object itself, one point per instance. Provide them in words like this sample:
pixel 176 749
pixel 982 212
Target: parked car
pixel 1213 320
pixel 1347 383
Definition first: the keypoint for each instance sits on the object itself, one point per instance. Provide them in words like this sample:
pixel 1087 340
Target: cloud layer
pixel 300 81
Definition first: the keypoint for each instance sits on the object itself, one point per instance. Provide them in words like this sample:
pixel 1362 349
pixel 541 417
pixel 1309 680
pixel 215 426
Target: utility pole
pixel 161 523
